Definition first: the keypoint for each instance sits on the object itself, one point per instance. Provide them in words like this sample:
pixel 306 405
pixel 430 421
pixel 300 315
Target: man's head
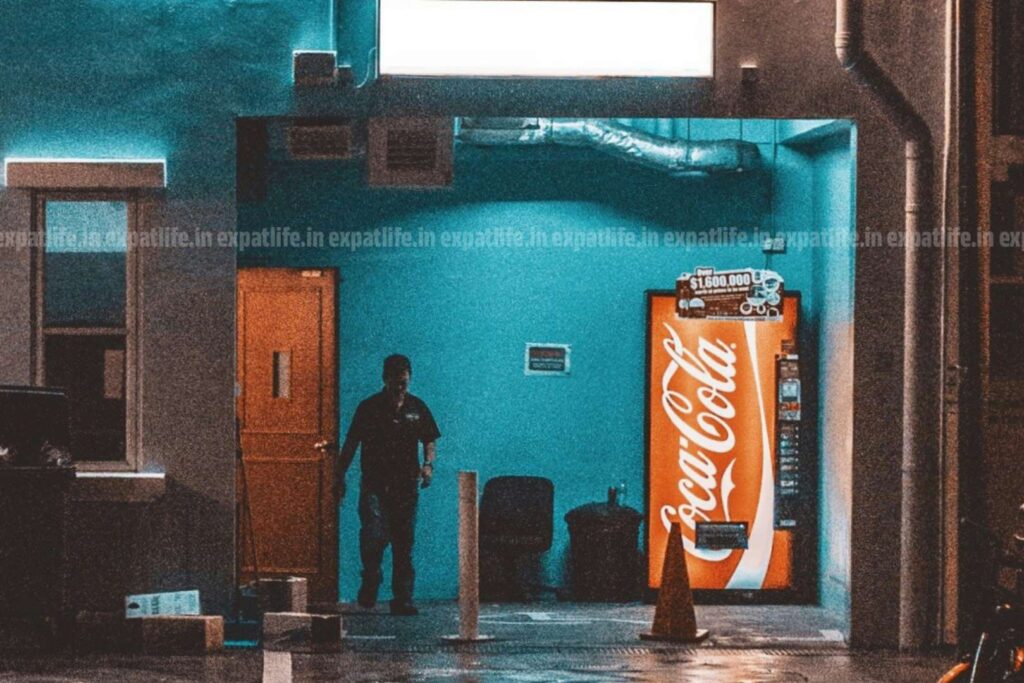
pixel 397 372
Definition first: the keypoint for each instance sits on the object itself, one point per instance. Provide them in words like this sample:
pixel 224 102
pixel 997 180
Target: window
pixel 85 287
pixel 1006 300
pixel 1007 320
pixel 1007 224
pixel 1008 67
pixel 546 38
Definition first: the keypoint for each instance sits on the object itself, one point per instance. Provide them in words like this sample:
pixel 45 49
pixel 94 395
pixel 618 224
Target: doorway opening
pixel 475 239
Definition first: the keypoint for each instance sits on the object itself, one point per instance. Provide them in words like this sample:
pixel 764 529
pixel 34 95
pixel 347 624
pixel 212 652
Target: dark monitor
pixel 30 418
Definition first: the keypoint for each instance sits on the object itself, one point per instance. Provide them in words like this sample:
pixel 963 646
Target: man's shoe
pixel 366 600
pixel 403 609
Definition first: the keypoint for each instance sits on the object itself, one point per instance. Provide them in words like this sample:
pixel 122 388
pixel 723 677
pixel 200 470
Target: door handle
pixel 323 445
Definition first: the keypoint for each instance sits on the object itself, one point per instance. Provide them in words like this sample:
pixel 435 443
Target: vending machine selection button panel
pixel 787 442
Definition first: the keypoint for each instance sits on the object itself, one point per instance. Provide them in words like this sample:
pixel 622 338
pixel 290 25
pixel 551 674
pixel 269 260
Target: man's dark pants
pixel 387 513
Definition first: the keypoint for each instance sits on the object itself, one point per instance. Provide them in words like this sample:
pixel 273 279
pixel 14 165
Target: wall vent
pixel 410 152
pixel 319 140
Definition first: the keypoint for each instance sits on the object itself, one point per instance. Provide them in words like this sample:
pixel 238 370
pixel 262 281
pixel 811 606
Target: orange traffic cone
pixel 674 619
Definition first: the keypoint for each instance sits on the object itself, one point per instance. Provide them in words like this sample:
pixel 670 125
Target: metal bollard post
pixel 469 563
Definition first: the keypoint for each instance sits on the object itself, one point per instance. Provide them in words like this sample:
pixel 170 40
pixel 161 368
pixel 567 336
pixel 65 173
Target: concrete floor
pixel 535 642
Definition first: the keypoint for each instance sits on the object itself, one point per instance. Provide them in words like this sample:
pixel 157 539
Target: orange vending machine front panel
pixel 711 415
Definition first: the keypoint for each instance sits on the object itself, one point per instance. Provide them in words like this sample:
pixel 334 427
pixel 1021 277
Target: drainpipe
pixel 921 385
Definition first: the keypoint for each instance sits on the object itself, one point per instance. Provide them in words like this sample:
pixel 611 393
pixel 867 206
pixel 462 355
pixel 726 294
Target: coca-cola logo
pixel 706 436
pixel 710 436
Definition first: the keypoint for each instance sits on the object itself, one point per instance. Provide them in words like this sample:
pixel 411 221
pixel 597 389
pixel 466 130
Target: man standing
pixel 390 425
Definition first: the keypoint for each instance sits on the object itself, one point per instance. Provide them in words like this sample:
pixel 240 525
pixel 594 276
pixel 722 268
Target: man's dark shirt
pixel 390 439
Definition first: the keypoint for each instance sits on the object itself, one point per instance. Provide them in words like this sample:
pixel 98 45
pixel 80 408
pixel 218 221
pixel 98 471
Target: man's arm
pixel 429 434
pixel 346 455
pixel 429 456
pixel 341 465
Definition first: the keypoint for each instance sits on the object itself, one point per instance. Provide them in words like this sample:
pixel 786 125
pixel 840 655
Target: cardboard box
pixel 177 635
pixel 282 629
pixel 288 594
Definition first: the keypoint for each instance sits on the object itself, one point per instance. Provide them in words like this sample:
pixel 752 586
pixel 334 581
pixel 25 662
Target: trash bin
pixel 34 514
pixel 603 552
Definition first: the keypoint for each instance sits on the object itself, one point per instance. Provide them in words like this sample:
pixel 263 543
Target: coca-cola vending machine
pixel 724 458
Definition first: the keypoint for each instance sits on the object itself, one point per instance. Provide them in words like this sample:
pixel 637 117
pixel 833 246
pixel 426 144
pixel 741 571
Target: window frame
pixel 134 207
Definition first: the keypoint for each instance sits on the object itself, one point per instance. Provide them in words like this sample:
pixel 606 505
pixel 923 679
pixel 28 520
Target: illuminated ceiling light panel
pixel 546 38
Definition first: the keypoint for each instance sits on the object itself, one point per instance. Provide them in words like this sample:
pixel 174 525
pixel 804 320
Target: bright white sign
pixel 546 38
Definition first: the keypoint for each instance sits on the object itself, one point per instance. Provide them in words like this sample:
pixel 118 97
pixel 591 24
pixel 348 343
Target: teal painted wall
pixel 149 78
pixel 816 192
pixel 834 163
pixel 136 79
pixel 356 31
pixel 463 316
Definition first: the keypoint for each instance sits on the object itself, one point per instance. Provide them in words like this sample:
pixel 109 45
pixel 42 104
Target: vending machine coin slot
pixel 721 535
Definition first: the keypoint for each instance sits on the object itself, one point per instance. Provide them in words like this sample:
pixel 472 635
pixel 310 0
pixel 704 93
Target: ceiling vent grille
pixel 320 141
pixel 410 152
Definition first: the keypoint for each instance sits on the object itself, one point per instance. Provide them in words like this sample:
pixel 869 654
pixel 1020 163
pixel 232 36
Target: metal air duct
pixel 678 158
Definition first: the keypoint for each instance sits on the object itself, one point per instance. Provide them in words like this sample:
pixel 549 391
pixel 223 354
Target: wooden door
pixel 287 375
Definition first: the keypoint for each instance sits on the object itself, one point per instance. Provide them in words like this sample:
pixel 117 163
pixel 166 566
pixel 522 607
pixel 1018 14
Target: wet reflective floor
pixel 536 642
pixel 465 667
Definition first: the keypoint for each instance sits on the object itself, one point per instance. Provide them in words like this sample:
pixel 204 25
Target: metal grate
pixel 333 141
pixel 411 150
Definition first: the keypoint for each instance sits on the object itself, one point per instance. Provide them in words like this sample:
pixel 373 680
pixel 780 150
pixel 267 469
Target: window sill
pixel 118 487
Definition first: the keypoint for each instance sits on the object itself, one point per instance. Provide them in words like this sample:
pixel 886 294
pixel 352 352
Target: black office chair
pixel 516 521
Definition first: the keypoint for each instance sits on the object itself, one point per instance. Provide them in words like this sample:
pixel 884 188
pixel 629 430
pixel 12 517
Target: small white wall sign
pixel 547 359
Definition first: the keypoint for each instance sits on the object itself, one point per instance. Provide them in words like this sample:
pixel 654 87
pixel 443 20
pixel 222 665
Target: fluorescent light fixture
pixel 546 38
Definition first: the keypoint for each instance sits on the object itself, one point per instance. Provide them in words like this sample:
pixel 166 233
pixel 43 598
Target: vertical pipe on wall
pixel 951 368
pixel 921 340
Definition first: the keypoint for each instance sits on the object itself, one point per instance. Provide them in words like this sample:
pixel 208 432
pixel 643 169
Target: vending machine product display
pixel 724 459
